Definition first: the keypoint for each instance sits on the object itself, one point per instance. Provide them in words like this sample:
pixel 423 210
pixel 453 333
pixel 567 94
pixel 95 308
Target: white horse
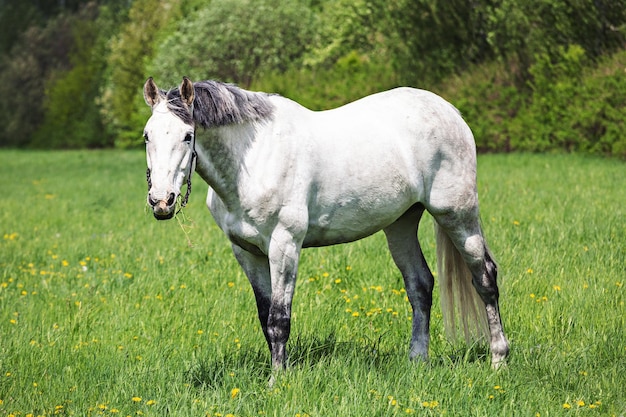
pixel 283 178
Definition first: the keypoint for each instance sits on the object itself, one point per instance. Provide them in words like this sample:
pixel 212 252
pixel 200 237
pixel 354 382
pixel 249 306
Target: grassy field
pixel 105 311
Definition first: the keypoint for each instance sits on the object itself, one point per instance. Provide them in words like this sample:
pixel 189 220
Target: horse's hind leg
pixel 465 233
pixel 418 280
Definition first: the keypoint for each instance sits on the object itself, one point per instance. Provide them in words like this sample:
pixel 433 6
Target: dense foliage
pixel 536 75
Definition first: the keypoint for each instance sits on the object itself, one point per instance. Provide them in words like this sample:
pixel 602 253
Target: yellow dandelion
pixel 556 288
pixel 338 280
pixel 150 402
pixel 136 399
pixel 234 392
pixel 580 403
pixel 567 406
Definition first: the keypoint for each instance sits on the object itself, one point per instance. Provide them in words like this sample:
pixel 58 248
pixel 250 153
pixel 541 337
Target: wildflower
pixel 430 404
pixel 556 288
pixel 338 280
pixel 567 406
pixel 150 402
pixel 234 392
pixel 580 403
pixel 136 399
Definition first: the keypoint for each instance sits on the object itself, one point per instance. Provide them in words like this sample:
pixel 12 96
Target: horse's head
pixel 169 137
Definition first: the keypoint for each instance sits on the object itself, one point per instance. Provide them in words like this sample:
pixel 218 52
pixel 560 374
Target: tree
pixel 71 113
pixel 131 50
pixel 36 55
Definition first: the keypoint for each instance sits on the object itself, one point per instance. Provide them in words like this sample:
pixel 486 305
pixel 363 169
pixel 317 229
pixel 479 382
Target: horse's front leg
pixel 283 254
pixel 257 269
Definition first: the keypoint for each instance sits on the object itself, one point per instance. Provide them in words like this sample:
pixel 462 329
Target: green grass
pixel 105 311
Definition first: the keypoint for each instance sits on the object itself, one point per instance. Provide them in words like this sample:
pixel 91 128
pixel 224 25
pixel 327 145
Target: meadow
pixel 106 312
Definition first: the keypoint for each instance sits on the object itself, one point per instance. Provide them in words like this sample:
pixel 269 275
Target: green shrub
pixel 569 105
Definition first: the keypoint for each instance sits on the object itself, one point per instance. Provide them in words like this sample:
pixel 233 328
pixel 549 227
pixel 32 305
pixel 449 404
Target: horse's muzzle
pixel 163 209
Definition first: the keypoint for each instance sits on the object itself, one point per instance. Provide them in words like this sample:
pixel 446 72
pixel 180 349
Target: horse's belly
pixel 349 222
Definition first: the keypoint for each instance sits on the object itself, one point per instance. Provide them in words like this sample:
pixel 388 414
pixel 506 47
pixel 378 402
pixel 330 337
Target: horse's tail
pixel 457 293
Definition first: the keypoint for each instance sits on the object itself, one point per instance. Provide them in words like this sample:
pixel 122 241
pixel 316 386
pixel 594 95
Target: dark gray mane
pixel 219 104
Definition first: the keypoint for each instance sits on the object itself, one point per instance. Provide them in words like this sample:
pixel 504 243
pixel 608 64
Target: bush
pixel 235 41
pixel 568 106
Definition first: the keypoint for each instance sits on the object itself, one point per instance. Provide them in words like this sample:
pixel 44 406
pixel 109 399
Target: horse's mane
pixel 219 104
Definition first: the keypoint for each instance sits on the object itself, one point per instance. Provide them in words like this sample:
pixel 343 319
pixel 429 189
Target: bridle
pixel 194 155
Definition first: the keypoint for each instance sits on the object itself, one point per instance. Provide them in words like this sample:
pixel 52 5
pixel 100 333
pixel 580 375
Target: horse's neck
pixel 221 152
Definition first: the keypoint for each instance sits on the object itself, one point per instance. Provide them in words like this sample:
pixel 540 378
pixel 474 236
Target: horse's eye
pixel 188 138
pixel 145 138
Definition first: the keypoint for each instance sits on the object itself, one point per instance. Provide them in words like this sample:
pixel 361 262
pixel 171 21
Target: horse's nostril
pixel 151 200
pixel 171 199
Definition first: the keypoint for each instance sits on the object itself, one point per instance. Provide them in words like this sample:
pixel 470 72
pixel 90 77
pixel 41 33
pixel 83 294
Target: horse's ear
pixel 151 93
pixel 186 91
